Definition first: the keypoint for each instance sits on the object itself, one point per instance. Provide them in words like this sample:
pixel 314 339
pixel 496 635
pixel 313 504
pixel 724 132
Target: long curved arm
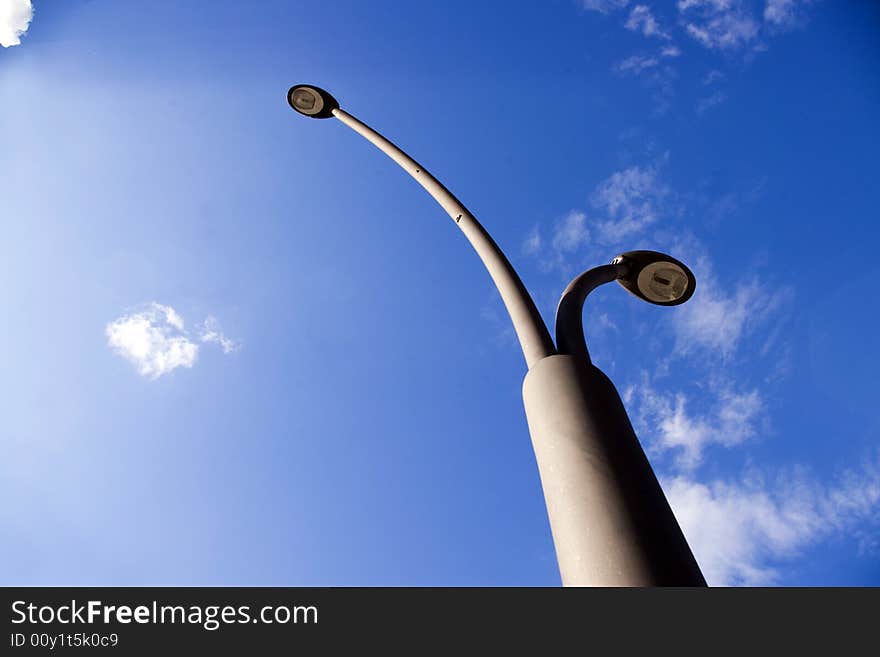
pixel 569 313
pixel 533 336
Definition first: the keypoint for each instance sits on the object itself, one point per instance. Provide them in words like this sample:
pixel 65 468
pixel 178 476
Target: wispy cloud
pixel 741 530
pixel 712 77
pixel 642 20
pixel 533 242
pixel 721 205
pixel 656 75
pixel 667 424
pixel 569 233
pixel 15 18
pixel 631 199
pixel 719 24
pixel 154 339
pixel 210 332
pixel 662 84
pixel 722 25
pixel 625 203
pixel 785 13
pixel 725 26
pixel 717 5
pixel 715 320
pixel 604 6
pixel 635 64
pixel 707 103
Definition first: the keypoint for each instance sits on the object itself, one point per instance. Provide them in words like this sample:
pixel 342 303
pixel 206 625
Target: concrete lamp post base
pixel 610 520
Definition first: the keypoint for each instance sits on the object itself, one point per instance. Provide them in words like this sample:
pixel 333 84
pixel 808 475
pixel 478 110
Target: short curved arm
pixel 534 338
pixel 570 312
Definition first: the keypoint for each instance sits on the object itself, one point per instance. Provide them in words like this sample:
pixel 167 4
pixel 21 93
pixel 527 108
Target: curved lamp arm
pixel 569 313
pixel 533 336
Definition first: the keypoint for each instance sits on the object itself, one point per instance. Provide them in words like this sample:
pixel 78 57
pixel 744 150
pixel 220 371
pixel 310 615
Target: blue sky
pixel 241 347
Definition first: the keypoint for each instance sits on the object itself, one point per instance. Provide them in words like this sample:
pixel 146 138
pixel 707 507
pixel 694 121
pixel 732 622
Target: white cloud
pixel 155 340
pixel 636 64
pixel 532 244
pixel 724 32
pixel 631 198
pixel 741 530
pixel 784 13
pixel 152 340
pixel 568 235
pixel 172 317
pixel 723 25
pixel 716 5
pixel 642 20
pixel 714 321
pixel 719 24
pixel 712 77
pixel 707 103
pixel 658 78
pixel 210 332
pixel 666 423
pixel 15 17
pixel 662 82
pixel 730 24
pixel 604 6
pixel 733 528
pixel 571 232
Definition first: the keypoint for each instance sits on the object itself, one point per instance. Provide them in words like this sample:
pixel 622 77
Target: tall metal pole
pixel 533 336
pixel 610 521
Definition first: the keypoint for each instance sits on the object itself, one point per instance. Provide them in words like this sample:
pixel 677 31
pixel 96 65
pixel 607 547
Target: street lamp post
pixel 610 520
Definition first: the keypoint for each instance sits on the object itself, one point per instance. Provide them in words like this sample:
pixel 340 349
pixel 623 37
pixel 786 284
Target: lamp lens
pixel 307 101
pixel 663 282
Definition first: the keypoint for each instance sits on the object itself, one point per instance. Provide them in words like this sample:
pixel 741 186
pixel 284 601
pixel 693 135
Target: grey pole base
pixel 610 520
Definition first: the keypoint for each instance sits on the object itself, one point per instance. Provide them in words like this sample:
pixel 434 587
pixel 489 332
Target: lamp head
pixel 312 101
pixel 656 277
